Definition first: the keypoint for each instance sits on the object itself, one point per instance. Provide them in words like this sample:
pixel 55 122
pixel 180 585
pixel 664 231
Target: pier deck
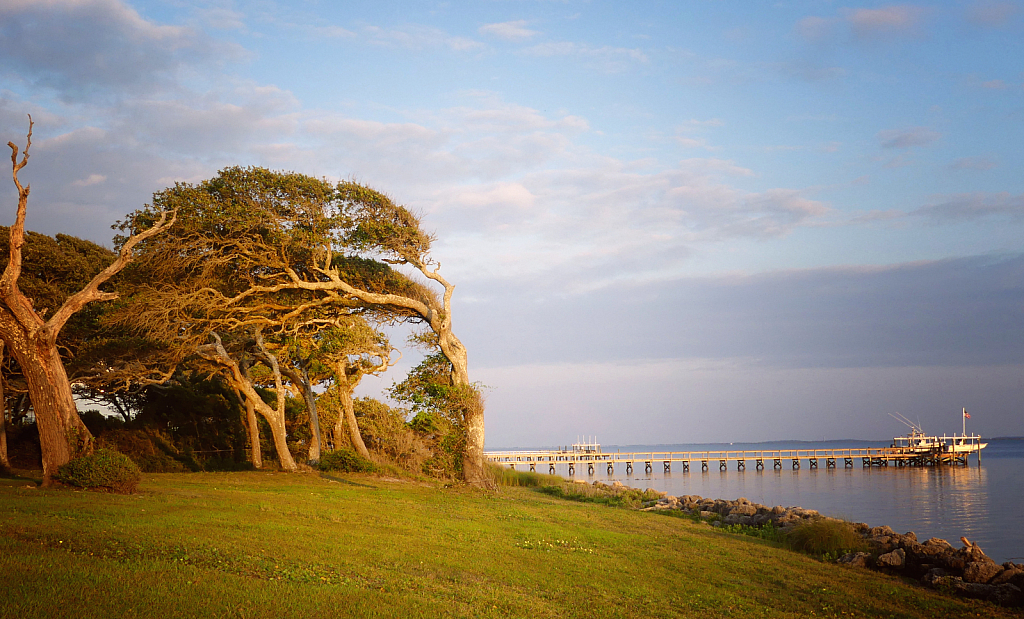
pixel 738 460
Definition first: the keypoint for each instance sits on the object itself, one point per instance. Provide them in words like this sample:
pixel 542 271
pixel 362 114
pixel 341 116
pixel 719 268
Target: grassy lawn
pixel 301 545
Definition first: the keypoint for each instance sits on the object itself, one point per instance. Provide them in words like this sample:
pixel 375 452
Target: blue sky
pixel 667 222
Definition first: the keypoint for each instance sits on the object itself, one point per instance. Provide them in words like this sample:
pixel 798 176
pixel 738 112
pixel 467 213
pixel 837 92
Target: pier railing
pixel 722 459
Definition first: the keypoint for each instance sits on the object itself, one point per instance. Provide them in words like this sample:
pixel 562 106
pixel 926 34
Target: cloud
pixel 604 220
pixel 815 29
pixel 973 163
pixel 906 138
pixel 865 25
pixel 88 47
pixel 964 311
pixel 93 179
pixel 418 38
pixel 992 14
pixel 885 22
pixel 509 31
pixel 974 206
pixel 609 58
pixel 787 344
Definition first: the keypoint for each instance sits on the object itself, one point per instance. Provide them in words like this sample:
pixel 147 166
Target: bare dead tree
pixel 32 340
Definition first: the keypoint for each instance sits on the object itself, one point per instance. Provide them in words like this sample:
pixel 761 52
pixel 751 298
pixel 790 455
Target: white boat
pixel 920 443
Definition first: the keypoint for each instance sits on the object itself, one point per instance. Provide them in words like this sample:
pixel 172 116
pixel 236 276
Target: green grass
pixel 254 544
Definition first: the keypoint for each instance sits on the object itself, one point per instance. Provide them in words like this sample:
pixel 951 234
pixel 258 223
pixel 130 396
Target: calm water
pixel 983 503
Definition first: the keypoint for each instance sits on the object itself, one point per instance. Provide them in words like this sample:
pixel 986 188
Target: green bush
pixel 103 470
pixel 824 537
pixel 345 459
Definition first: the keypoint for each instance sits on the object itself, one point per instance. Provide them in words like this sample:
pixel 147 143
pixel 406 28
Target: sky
pixel 667 222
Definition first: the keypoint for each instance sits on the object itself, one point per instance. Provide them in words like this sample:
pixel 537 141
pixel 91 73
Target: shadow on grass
pixel 342 480
pixel 16 477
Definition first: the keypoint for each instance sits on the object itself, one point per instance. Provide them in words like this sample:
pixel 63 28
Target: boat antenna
pixel 910 424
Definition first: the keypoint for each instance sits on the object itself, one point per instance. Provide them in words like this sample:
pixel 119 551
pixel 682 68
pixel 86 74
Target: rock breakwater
pixel 966 571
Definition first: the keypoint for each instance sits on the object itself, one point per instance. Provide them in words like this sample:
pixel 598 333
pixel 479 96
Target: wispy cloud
pixel 418 38
pixel 974 206
pixel 509 30
pixel 992 13
pixel 608 57
pixel 907 138
pixel 862 24
pixel 973 163
pixel 887 21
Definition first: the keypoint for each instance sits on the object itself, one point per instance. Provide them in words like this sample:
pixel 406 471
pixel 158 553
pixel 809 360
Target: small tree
pixel 32 339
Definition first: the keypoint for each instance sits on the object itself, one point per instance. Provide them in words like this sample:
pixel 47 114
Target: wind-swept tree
pixel 260 248
pixel 31 333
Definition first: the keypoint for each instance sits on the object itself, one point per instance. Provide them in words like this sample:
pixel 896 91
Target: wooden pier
pixel 738 460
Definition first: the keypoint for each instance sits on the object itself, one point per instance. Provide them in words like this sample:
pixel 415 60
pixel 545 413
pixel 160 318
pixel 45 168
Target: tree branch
pixel 92 291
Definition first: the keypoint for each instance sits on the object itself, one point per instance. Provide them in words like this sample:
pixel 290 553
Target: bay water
pixel 982 502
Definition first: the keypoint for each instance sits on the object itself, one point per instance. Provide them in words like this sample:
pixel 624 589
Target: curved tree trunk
pixel 306 388
pixel 252 425
pixel 473 458
pixel 345 395
pixel 274 416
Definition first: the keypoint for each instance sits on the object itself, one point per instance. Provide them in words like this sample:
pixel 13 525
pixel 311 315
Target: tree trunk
pixel 242 384
pixel 314 421
pixel 5 463
pixel 62 435
pixel 473 471
pixel 306 388
pixel 345 395
pixel 252 429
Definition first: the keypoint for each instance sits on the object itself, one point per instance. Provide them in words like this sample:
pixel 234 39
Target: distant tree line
pixel 231 327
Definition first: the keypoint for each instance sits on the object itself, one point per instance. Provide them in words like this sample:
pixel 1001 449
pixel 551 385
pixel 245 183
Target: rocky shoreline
pixel 935 563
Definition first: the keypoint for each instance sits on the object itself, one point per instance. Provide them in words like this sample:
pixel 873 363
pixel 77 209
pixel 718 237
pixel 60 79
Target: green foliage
pixel 767 532
pixel 345 460
pixel 152 452
pixel 824 537
pixel 375 224
pixel 509 478
pixel 439 410
pixel 102 470
pixel 201 419
pixel 629 498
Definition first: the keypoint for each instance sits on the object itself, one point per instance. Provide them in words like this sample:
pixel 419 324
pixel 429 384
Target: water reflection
pixel 940 501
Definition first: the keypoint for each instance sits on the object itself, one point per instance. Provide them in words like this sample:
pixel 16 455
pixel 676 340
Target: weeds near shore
pixel 824 537
pixel 521 479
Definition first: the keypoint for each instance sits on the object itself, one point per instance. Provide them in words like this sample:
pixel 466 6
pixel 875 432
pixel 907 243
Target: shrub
pixel 345 460
pixel 629 498
pixel 148 449
pixel 507 477
pixel 824 537
pixel 103 470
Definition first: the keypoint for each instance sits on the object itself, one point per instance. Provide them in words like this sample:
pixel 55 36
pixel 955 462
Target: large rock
pixel 743 509
pixel 855 559
pixel 981 571
pixel 895 559
pixel 881 544
pixel 877 531
pixel 1007 575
